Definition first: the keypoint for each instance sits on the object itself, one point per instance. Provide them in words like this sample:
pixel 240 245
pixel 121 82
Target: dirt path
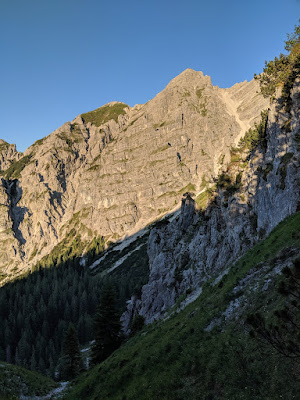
pixel 54 394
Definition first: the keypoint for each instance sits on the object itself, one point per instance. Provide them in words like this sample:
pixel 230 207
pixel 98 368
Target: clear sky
pixel 60 58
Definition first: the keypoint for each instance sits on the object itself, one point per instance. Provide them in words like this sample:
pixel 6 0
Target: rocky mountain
pixel 221 305
pixel 8 155
pixel 253 193
pixel 112 171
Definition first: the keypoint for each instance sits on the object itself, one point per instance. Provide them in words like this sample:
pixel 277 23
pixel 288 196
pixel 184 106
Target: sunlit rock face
pixel 198 246
pixel 113 171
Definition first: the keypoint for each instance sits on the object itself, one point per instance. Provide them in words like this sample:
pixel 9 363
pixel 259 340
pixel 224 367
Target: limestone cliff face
pixel 112 175
pixel 198 246
pixel 8 154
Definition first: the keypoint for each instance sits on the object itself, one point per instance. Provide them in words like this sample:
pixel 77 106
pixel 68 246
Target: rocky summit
pixel 110 172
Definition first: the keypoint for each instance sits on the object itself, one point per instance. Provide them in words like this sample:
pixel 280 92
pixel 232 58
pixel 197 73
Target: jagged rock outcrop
pixel 8 154
pixel 198 246
pixel 112 171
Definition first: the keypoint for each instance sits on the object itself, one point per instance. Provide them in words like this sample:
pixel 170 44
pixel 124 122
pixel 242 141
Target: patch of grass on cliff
pixel 70 138
pixel 15 381
pixel 14 171
pixel 199 92
pixel 39 142
pixel 104 114
pixel 202 199
pixel 3 146
pixel 188 188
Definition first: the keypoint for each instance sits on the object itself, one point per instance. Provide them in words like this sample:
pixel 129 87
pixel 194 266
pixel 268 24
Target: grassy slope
pixel 16 380
pixel 104 114
pixel 178 359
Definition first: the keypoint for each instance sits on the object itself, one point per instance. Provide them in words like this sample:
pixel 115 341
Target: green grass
pixel 203 109
pixel 14 171
pixel 177 359
pixel 188 188
pixel 16 380
pixel 104 114
pixel 202 199
pixel 168 194
pixel 199 93
pixel 39 142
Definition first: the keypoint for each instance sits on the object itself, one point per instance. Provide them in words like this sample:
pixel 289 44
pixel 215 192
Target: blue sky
pixel 60 58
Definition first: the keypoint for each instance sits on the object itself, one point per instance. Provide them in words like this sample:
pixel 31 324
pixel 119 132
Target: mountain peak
pixel 191 72
pixel 190 77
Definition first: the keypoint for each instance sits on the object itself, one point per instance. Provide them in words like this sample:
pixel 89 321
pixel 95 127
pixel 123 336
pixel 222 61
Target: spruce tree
pixel 71 356
pixel 107 326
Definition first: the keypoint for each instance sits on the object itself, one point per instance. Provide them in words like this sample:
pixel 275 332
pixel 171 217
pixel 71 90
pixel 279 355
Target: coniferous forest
pixel 35 312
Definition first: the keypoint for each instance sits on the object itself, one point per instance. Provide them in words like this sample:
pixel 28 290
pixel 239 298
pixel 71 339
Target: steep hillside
pixel 110 172
pixel 205 351
pixel 17 382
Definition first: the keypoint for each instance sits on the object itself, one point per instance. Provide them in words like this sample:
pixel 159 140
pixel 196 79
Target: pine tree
pixel 107 326
pixel 33 360
pixel 71 358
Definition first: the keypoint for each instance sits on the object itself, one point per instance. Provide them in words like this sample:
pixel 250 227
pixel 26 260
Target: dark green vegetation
pixel 16 380
pixel 255 136
pixel 202 200
pixel 35 311
pixel 104 114
pixel 230 186
pixel 283 334
pixel 4 145
pixel 181 359
pixel 75 136
pixel 70 248
pixel 283 70
pixel 107 326
pixel 71 362
pixel 14 171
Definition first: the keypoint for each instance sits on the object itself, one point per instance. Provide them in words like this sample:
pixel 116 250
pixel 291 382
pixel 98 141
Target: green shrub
pixel 255 136
pixel 283 70
pixel 199 92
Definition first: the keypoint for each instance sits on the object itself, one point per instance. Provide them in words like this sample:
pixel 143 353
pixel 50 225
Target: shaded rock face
pixel 198 246
pixel 113 177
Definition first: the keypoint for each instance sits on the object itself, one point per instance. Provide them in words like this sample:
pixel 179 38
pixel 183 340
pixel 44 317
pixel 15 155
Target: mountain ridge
pixel 252 195
pixel 118 176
